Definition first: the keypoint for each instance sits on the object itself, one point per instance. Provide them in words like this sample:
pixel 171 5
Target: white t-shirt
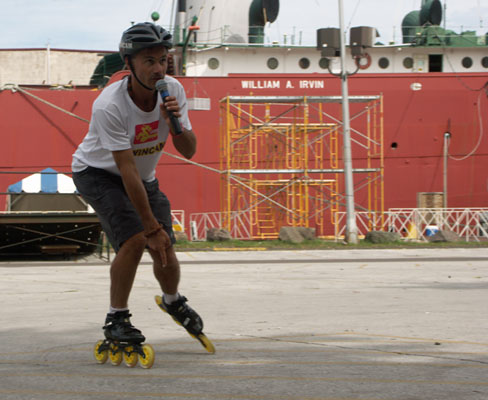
pixel 118 124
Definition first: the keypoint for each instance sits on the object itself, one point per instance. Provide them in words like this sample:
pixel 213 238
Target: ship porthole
pixel 467 62
pixel 304 63
pixel 383 62
pixel 272 63
pixel 213 63
pixel 408 62
pixel 324 63
pixel 484 62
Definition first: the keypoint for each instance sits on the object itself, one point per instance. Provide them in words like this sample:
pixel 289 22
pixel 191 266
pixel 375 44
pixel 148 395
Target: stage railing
pixel 200 223
pixel 412 224
pixel 418 224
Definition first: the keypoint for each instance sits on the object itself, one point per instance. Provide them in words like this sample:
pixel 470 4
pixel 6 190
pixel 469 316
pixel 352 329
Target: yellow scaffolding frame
pixel 280 158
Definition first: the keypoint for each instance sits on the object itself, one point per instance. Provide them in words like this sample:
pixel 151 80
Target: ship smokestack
pixel 261 12
pixel 430 13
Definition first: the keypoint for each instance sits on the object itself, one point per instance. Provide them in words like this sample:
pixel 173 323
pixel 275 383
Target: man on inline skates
pixel 114 171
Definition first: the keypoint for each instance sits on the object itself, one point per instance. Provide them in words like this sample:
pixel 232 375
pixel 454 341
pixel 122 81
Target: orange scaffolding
pixel 281 161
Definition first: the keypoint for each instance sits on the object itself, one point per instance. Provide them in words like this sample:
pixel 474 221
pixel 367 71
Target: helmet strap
pixel 131 67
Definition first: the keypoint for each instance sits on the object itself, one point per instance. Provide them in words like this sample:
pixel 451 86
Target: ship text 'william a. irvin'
pixel 286 84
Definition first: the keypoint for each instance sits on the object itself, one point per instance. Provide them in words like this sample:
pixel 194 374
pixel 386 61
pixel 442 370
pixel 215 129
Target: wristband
pixel 153 232
pixel 174 134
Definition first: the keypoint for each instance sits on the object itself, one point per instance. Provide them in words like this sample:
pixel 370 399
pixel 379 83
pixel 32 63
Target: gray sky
pixel 98 24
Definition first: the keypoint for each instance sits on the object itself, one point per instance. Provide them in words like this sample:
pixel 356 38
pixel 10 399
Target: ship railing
pixel 420 224
pixel 468 35
pixel 460 34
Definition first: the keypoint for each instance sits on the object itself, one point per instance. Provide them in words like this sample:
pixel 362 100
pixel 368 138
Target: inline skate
pixel 123 341
pixel 185 316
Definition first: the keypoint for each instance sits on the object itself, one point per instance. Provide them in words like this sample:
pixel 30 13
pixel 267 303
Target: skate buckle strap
pixel 186 316
pixel 122 321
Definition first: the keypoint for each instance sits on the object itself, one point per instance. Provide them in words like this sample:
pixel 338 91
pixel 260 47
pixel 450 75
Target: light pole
pixel 332 43
pixel 351 227
pixel 447 136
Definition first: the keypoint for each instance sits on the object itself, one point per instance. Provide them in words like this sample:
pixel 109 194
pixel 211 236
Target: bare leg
pixel 169 276
pixel 123 270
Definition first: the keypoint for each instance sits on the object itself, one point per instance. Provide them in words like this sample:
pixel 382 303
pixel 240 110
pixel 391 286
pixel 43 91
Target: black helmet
pixel 142 36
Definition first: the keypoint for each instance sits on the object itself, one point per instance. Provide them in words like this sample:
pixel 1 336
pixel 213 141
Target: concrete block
pixel 218 235
pixel 382 237
pixel 307 233
pixel 181 236
pixel 291 234
pixel 444 236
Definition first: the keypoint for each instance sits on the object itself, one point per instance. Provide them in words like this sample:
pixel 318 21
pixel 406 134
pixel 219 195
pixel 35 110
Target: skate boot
pixel 185 316
pixel 123 341
pixel 119 328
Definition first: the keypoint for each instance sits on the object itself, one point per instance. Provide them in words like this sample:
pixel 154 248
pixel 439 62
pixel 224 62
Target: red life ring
pixel 363 65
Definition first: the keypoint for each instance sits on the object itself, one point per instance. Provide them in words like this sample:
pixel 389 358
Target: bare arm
pixel 186 142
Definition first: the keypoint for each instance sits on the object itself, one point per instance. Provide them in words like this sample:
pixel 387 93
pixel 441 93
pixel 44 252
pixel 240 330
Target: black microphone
pixel 162 88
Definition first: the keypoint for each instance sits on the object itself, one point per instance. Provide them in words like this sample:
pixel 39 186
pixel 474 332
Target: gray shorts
pixel 105 192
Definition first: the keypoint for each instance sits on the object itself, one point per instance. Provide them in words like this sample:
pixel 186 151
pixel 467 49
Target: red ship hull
pixel 36 136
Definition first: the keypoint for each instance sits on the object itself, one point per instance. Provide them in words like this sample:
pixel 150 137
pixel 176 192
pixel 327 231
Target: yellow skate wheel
pixel 115 355
pixel 206 343
pixel 101 357
pixel 130 357
pixel 147 360
pixel 159 302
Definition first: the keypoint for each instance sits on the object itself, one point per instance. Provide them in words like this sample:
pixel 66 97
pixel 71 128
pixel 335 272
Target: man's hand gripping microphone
pixel 162 88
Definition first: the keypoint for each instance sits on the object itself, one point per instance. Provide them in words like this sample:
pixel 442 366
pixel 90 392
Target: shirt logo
pixel 146 133
pixel 148 151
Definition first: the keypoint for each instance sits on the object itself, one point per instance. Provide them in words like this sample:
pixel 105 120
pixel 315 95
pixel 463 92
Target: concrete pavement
pixel 335 324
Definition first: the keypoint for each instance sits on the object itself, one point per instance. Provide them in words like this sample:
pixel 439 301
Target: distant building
pixel 46 66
